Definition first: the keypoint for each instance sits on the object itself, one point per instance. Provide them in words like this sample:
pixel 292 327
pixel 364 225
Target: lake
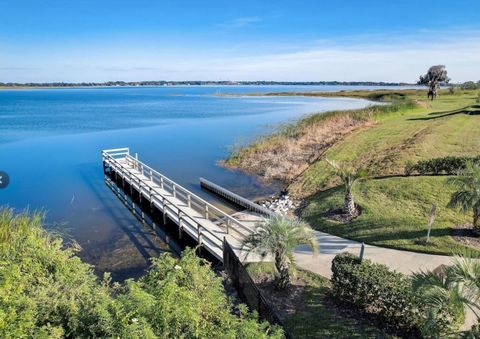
pixel 50 143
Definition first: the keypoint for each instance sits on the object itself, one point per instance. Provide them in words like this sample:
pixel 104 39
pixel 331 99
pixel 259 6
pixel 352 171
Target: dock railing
pixel 233 226
pixel 235 198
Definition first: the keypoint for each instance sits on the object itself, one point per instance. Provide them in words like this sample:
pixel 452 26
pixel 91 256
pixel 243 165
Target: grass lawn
pixel 394 214
pixel 395 210
pixel 314 316
pixel 449 125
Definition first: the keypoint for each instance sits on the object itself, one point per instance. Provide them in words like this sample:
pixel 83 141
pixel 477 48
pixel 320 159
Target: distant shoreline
pixel 194 83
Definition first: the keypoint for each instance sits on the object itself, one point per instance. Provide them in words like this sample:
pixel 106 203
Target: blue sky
pixel 86 40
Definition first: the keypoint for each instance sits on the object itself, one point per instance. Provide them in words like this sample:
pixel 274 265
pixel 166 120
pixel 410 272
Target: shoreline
pixel 383 139
pixel 195 83
pixel 316 132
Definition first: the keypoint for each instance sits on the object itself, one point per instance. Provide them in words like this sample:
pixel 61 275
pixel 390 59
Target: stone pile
pixel 282 204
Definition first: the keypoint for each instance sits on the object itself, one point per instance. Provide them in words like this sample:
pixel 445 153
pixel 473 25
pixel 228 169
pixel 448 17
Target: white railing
pixel 207 210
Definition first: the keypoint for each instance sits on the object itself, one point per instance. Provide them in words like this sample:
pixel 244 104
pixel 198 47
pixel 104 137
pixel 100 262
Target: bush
pixel 445 165
pixel 375 289
pixel 47 292
pixel 470 85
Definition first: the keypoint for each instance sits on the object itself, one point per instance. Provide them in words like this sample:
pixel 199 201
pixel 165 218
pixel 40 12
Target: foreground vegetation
pixel 383 139
pixel 307 309
pixel 368 300
pixel 47 292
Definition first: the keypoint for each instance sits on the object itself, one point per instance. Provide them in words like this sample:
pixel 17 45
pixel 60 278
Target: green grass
pixel 395 210
pixel 446 126
pixel 394 214
pixel 297 128
pixel 317 318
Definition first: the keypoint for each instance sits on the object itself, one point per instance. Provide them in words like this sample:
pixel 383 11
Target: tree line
pixel 199 83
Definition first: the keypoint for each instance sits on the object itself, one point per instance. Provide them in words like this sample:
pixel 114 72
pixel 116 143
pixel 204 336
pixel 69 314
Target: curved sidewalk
pixel 330 245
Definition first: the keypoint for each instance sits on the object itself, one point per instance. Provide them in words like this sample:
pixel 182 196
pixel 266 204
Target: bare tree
pixel 435 75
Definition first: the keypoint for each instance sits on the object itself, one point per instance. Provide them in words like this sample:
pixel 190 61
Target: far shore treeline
pixel 201 83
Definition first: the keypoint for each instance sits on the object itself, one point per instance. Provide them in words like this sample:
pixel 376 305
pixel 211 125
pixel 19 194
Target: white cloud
pixel 243 22
pixel 395 61
pixel 362 58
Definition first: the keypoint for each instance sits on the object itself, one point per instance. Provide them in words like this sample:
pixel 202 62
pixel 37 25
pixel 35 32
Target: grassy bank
pixel 308 310
pixel 394 214
pixel 288 152
pixel 382 139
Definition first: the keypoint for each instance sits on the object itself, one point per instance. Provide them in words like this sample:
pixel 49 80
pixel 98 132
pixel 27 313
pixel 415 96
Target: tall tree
pixel 467 197
pixel 435 75
pixel 349 175
pixel 278 237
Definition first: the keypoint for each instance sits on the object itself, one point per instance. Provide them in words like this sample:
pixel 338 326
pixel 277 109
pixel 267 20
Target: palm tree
pixel 349 176
pixel 467 197
pixel 278 237
pixel 453 289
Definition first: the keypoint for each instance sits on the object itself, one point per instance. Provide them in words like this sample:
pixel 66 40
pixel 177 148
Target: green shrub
pixel 46 291
pixel 375 289
pixel 436 166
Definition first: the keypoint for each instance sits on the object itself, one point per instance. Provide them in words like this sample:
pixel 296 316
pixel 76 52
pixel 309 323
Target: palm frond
pixel 280 236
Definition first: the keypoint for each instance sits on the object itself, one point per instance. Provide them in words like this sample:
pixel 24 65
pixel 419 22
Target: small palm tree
pixel 349 176
pixel 278 237
pixel 453 289
pixel 467 197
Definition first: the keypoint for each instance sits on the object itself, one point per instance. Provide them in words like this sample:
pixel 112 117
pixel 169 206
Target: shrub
pixel 375 289
pixel 436 166
pixel 47 292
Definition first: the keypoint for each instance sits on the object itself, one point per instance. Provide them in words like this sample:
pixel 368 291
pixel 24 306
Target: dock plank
pixel 203 222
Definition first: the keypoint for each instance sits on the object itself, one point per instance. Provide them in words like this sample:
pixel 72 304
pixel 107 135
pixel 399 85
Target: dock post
pixel 125 196
pixel 164 212
pixel 131 193
pixel 152 206
pixel 200 240
pixel 180 225
pixel 141 204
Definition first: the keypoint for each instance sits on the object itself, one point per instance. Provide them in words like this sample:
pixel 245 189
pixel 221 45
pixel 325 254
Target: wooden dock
pixel 235 198
pixel 206 224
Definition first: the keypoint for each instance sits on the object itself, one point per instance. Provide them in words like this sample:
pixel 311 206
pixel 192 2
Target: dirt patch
pixel 340 216
pixel 387 161
pixel 422 103
pixel 465 235
pixel 284 158
pixel 297 300
pixel 287 302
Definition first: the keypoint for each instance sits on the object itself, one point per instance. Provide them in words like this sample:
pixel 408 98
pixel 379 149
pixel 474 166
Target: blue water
pixel 50 143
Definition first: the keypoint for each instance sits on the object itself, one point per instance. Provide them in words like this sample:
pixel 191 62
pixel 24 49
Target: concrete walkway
pixel 330 245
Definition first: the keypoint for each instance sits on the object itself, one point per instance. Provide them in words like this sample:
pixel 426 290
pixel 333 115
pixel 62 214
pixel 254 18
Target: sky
pixel 344 40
